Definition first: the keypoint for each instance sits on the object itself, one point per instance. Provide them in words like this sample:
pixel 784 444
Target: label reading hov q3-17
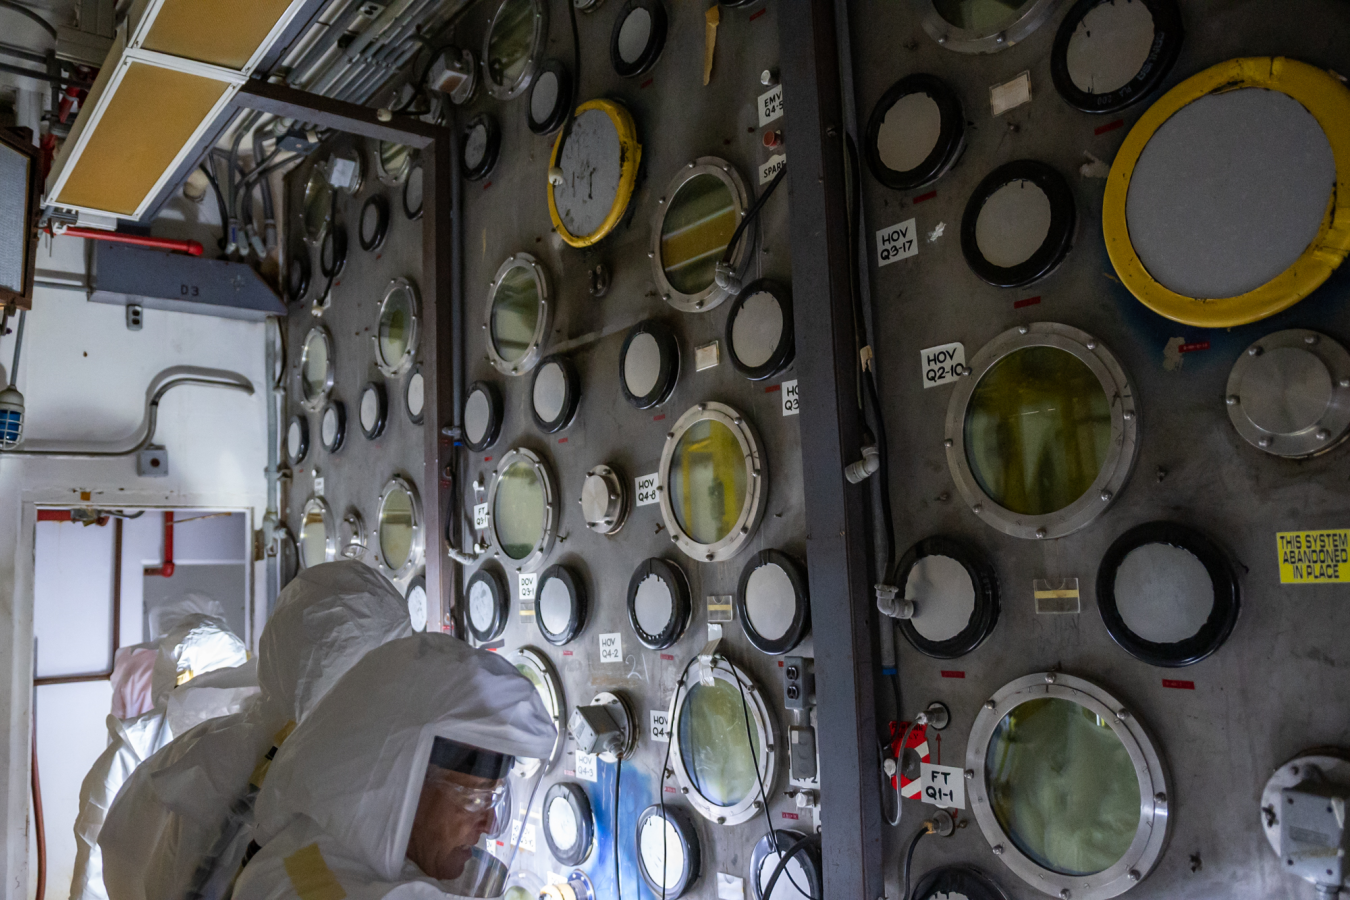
pixel 1314 557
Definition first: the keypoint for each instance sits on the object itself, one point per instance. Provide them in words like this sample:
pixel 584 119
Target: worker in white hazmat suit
pixel 387 790
pixel 178 830
pixel 182 693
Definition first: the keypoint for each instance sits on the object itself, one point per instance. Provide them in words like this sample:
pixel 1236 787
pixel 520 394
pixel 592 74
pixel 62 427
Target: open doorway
pixel 100 586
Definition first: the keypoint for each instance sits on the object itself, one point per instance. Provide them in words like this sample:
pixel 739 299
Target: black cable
pixel 909 858
pixel 220 202
pixel 28 13
pixel 763 799
pixel 750 215
pixel 576 92
pixel 782 863
pixel 618 885
pixel 665 764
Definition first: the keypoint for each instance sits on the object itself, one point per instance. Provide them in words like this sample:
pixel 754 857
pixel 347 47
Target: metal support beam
pixel 837 534
pixel 440 295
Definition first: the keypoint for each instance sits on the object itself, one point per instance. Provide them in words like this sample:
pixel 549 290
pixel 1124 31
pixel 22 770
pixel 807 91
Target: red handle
pixel 191 247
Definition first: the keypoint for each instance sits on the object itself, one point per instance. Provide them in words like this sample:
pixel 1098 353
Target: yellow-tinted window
pixel 518 510
pixel 713 741
pixel 396 528
pixel 708 481
pixel 696 231
pixel 515 313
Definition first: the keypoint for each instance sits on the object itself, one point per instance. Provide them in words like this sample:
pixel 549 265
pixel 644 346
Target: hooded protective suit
pixel 196 644
pixel 178 829
pixel 335 815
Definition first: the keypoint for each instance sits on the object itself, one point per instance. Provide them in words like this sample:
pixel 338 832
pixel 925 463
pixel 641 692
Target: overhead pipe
pixel 192 248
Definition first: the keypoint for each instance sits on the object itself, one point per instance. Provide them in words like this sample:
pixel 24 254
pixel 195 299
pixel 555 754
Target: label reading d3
pixel 1314 557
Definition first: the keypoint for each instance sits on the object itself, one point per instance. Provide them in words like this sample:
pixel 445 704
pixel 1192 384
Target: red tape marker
pixel 792 816
pixel 1030 301
pixel 1191 348
pixel 1179 685
pixel 667 657
pixel 952 673
pixel 758 14
pixel 647 83
pixel 773 389
pixel 1109 126
pixel 658 418
pixel 922 197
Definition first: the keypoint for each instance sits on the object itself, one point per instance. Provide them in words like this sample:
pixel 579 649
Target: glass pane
pixel 707 481
pixel 714 744
pixel 314 538
pixel 662 851
pixel 695 232
pixel 318 201
pixel 535 679
pixel 396 326
pixel 394 159
pixel 1062 786
pixel 316 365
pixel 1037 429
pixel 511 41
pixel 518 511
pixel 396 528
pixel 983 16
pixel 515 313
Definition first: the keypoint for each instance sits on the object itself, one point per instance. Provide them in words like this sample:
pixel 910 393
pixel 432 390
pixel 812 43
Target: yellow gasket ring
pixel 1329 102
pixel 630 153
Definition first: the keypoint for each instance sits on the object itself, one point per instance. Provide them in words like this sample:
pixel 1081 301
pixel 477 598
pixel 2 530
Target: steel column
pixel 837 533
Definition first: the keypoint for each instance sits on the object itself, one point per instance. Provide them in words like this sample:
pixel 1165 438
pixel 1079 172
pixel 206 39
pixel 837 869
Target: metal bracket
pixel 707 659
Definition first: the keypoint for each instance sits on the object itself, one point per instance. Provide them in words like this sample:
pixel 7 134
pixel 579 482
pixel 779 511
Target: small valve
pixel 773 139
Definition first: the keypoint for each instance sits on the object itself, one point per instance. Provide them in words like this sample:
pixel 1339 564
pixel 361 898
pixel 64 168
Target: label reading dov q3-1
pixel 1314 557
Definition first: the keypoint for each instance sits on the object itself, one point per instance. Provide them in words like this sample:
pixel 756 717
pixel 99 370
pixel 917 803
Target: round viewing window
pixel 514 45
pixel 668 850
pixel 318 533
pixel 759 335
pixel 518 315
pixel 486 604
pixel 1068 786
pixel 523 510
pixel 694 223
pixel 316 368
pixel 398 527
pixel 982 26
pixel 297 439
pixel 317 203
pixel 537 669
pixel 416 598
pixel 374 224
pixel 714 754
pixel 955 595
pixel 392 162
pixel 599 166
pixel 482 144
pixel 1109 54
pixel 569 829
pixel 414 395
pixel 1042 433
pixel 638 37
pixel 916 133
pixel 396 331
pixel 711 482
pixel 550 97
pixel 374 410
pixel 1018 224
pixel 560 605
pixel 482 416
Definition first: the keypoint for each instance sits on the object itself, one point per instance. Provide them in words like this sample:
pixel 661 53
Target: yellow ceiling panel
pixel 220 32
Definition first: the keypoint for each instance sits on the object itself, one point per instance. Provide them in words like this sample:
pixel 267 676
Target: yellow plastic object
pixel 1329 102
pixel 630 153
pixel 152 116
pixel 221 32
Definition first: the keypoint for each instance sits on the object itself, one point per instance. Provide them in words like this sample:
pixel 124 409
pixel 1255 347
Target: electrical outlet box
pixel 594 729
pixel 799 682
pixel 153 462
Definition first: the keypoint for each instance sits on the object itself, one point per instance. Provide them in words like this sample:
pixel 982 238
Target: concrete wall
pixel 84 376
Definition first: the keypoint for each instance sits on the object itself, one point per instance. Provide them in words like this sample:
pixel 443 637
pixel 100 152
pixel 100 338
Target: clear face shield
pixel 472 818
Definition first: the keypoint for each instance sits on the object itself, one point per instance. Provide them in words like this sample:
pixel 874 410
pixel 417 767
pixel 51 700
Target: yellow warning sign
pixel 1314 557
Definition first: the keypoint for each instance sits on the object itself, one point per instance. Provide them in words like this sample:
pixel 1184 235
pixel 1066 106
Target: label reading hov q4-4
pixel 942 364
pixel 897 242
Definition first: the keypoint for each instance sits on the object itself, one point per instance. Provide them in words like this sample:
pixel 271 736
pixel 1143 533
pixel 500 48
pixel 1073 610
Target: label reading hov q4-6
pixel 1314 557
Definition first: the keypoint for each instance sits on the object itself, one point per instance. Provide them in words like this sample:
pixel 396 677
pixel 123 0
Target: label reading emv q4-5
pixel 1314 557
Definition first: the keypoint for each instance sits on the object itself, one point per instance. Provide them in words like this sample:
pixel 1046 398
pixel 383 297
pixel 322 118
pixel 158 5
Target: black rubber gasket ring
pixel 489 576
pixel 669 349
pixel 983 617
pixel 571 394
pixel 1058 238
pixel 581 809
pixel 683 827
pixel 958 880
pixel 419 580
pixel 494 426
pixel 656 38
pixel 414 214
pixel 304 439
pixel 1168 36
pixel 576 619
pixel 299 269
pixel 554 120
pixel 1222 618
pixel 490 152
pixel 678 585
pixel 407 383
pixel 801 615
pixel 786 349
pixel 951 133
pixel 340 410
pixel 381 207
pixel 333 250
pixel 808 857
pixel 382 410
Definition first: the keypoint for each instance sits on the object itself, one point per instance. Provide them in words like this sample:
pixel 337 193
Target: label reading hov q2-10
pixel 1314 557
pixel 942 364
pixel 897 242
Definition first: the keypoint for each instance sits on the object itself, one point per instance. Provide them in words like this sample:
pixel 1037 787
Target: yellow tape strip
pixel 1323 95
pixel 260 770
pixel 311 877
pixel 630 154
pixel 1046 595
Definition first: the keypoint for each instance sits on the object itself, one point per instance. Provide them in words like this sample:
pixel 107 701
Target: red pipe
pixel 53 515
pixel 193 248
pixel 167 569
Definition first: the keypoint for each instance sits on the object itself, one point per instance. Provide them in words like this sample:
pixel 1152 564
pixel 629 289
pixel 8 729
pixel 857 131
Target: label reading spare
pixel 896 243
pixel 770 105
pixel 772 167
pixel 647 494
pixel 942 364
pixel 1314 557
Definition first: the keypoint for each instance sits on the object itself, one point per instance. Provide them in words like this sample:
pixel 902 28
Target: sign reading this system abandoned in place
pixel 943 786
pixel 942 364
pixel 896 243
pixel 1314 557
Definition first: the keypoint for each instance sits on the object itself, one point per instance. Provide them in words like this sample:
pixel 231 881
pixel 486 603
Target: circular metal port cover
pixel 1289 393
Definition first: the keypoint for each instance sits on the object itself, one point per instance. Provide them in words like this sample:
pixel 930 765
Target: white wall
pixel 84 376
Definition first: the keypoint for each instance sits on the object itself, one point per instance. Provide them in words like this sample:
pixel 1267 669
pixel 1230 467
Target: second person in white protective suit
pixel 182 693
pixel 387 790
pixel 179 827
